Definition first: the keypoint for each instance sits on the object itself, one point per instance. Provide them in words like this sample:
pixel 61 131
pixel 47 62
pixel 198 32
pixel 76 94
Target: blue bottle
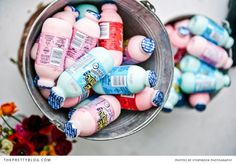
pixel 207 28
pixel 194 83
pixel 192 64
pixel 175 94
pixel 126 80
pixel 81 76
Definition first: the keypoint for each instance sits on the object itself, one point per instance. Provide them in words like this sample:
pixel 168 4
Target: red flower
pixel 23 149
pixel 57 134
pixel 63 147
pixel 16 138
pixel 39 141
pixel 32 124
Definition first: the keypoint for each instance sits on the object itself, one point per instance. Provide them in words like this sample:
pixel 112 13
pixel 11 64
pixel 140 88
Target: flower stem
pixel 6 122
pixel 17 119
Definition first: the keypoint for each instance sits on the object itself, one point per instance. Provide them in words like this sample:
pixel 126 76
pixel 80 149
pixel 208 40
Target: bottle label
pixel 204 83
pixel 116 81
pixel 52 50
pixel 213 32
pixel 84 96
pixel 101 111
pixel 127 57
pixel 80 44
pixel 212 55
pixel 87 71
pixel 111 36
pixel 127 102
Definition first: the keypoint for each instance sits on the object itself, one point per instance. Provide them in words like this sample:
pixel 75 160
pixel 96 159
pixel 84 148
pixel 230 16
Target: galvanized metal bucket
pixel 137 20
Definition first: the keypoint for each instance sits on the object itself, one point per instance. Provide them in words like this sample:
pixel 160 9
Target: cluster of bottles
pixel 199 47
pixel 82 64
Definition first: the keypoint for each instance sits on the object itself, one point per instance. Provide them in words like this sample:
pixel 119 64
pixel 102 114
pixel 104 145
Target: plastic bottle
pixel 177 53
pixel 86 32
pixel 126 80
pixel 178 56
pixel 199 100
pixel 92 117
pixel 141 101
pixel 192 64
pixel 69 15
pixel 111 26
pixel 207 28
pixel 52 49
pixel 138 49
pixel 181 34
pixel 175 95
pixel 34 49
pixel 70 101
pixel 208 52
pixel 194 83
pixel 82 8
pixel 81 76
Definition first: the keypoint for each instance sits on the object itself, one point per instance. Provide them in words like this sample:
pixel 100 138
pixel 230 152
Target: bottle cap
pixel 227 80
pixel 151 79
pixel 183 31
pixel 110 5
pixel 56 98
pixel 70 113
pixel 148 45
pixel 167 110
pixel 200 107
pixel 70 130
pixel 228 64
pixel 95 14
pixel 158 98
pixel 229 43
pixel 73 10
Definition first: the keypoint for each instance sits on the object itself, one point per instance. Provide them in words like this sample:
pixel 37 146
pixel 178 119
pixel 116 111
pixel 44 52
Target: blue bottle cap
pixel 54 100
pixel 70 113
pixel 69 130
pixel 35 81
pixel 158 98
pixel 152 79
pixel 200 107
pixel 166 110
pixel 73 9
pixel 184 31
pixel 97 16
pixel 148 45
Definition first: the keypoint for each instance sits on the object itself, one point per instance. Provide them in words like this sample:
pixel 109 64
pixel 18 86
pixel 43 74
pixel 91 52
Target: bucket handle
pixel 148 5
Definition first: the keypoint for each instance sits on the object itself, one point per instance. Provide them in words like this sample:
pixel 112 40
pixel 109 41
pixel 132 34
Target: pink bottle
pixel 169 29
pixel 181 34
pixel 93 116
pixel 177 53
pixel 53 46
pixel 138 49
pixel 199 100
pixel 208 52
pixel 86 33
pixel 34 49
pixel 69 102
pixel 141 101
pixel 111 37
